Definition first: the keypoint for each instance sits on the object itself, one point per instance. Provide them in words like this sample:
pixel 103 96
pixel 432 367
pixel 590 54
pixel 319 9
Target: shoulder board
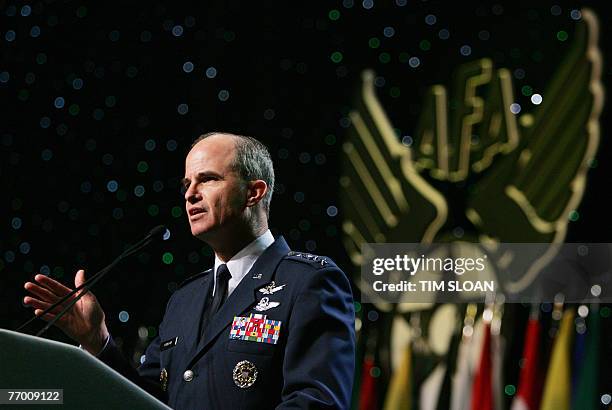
pixel 194 277
pixel 314 260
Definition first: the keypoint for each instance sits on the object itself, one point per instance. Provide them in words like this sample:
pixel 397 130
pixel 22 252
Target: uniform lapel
pixel 246 293
pixel 191 323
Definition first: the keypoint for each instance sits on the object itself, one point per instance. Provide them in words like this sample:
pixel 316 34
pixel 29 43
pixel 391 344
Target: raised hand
pixel 84 322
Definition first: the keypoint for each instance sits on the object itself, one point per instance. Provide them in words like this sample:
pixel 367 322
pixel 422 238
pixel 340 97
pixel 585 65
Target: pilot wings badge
pixel 265 304
pixel 271 288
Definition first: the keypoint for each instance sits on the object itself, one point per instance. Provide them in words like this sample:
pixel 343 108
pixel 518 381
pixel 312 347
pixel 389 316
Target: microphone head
pixel 159 232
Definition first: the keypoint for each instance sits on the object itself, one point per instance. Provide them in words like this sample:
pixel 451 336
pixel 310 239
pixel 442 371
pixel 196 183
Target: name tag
pixel 168 344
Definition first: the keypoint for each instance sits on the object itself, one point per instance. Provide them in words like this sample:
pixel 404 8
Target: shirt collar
pixel 240 264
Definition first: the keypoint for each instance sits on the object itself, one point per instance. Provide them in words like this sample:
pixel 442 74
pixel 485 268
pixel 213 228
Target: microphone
pixel 160 232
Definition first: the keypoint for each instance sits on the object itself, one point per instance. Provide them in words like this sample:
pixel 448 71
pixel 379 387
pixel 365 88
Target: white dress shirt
pixel 240 264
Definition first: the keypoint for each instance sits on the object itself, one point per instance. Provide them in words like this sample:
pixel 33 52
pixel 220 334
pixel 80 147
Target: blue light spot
pixel 223 95
pixel 26 10
pixel 9 256
pixel 414 62
pixel 332 211
pixel 98 114
pixel 150 145
pixel 35 31
pixel 24 248
pixel 45 122
pixel 117 213
pixel 124 316
pixel 298 197
pixel 46 154
pixel 575 14
pixel 389 32
pixel 444 34
pixel 114 36
pixel 188 67
pixel 139 191
pixel 59 102
pixel 430 19
pixel 158 186
pixel 145 36
pixel 86 187
pixel 367 4
pixel 4 77
pixel 211 72
pixel 171 145
pixel 10 36
pixel 304 157
pixel 177 31
pixel 107 159
pixel 465 50
pixel 112 185
pixel 16 223
pixel 182 109
pixel 45 270
pixel 311 245
pixel 77 83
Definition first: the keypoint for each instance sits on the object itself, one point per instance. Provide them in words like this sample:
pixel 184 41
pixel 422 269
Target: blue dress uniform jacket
pixel 310 366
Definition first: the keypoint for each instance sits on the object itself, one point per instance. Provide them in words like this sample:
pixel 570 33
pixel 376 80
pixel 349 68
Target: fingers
pixel 47 317
pixel 39 305
pixel 53 285
pixel 41 292
pixel 79 278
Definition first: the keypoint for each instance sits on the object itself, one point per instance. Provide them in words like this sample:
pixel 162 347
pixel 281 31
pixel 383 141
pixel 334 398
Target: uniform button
pixel 188 375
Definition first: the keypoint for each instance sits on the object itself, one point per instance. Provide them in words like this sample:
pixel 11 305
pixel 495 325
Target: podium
pixel 28 362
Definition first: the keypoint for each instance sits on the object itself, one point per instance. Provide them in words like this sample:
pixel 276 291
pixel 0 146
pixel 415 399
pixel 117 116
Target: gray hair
pixel 252 162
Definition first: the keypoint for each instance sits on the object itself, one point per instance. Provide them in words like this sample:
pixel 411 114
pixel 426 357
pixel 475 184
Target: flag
pixel 399 391
pixel 557 387
pixel 497 361
pixel 482 389
pixel 585 395
pixel 468 357
pixel 430 389
pixel 444 401
pixel 527 396
pixel 368 399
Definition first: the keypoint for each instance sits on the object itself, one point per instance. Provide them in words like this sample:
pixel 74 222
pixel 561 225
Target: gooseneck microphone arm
pixel 155 234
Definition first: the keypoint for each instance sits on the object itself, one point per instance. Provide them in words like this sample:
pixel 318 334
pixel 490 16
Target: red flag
pixel 529 388
pixel 367 396
pixel 482 389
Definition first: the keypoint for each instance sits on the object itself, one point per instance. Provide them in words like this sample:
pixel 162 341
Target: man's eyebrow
pixel 201 175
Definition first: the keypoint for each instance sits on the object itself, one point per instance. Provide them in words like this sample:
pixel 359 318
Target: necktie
pixel 223 276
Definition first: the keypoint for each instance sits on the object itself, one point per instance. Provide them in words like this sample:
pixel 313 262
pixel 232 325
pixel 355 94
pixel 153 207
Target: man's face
pixel 214 192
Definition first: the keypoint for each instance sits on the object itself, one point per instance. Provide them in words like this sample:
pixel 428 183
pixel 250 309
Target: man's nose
pixel 192 195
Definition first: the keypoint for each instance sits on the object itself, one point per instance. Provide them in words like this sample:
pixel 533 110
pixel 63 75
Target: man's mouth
pixel 196 210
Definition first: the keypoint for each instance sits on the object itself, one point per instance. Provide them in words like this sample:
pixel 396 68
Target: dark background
pixel 81 181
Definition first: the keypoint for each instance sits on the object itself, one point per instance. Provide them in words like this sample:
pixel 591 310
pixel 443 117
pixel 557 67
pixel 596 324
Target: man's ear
pixel 256 190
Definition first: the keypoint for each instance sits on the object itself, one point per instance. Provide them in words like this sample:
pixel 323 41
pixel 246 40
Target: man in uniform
pixel 266 328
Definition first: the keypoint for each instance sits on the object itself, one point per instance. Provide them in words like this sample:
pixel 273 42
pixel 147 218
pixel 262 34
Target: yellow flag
pixel 557 387
pixel 399 392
